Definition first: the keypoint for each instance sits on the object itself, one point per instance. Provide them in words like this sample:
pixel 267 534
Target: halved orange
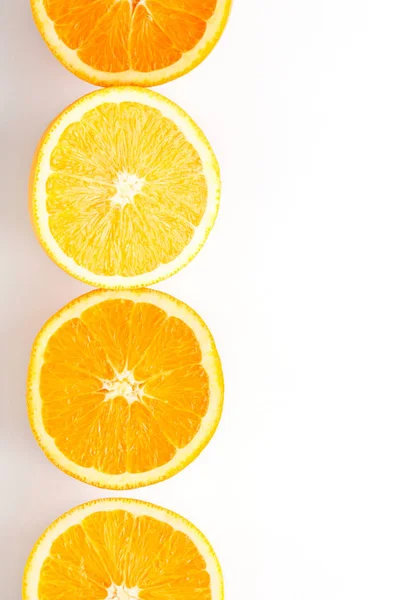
pixel 120 549
pixel 124 388
pixel 130 42
pixel 125 188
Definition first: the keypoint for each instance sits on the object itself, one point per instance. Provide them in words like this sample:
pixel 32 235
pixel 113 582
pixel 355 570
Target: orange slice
pixel 120 549
pixel 124 388
pixel 125 188
pixel 125 42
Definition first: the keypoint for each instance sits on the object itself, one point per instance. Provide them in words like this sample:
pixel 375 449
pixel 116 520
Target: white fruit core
pixel 123 385
pixel 121 592
pixel 127 186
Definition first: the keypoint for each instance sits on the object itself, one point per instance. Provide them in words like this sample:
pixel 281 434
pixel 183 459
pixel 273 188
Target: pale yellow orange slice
pixel 124 388
pixel 125 188
pixel 135 42
pixel 119 549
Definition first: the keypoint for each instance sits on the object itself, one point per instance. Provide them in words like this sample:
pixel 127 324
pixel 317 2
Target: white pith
pixel 127 186
pixel 121 592
pixel 123 385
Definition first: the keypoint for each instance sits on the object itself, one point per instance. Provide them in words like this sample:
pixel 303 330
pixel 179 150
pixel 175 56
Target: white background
pixel 299 282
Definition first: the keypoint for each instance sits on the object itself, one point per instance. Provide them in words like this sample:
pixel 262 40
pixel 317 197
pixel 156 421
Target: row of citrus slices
pixel 125 385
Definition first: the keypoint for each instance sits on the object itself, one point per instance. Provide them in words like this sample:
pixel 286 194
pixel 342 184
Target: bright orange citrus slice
pixel 130 42
pixel 124 388
pixel 125 188
pixel 120 549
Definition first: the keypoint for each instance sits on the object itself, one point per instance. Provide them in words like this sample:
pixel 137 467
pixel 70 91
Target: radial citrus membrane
pixel 130 42
pixel 120 549
pixel 125 188
pixel 124 388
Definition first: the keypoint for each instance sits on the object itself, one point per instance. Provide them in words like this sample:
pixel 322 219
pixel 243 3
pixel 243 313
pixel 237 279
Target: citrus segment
pixel 125 188
pixel 106 47
pixel 150 48
pixel 141 42
pixel 183 29
pixel 185 388
pixel 118 549
pixel 149 448
pixel 124 388
pixel 179 426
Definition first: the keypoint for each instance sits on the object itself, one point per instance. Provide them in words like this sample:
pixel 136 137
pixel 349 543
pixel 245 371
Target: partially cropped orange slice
pixel 130 42
pixel 119 549
pixel 125 188
pixel 124 388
